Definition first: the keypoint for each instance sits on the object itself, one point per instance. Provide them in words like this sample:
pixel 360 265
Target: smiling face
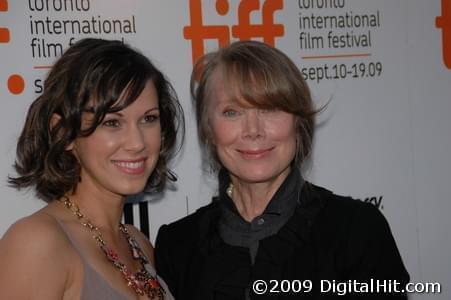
pixel 255 145
pixel 120 155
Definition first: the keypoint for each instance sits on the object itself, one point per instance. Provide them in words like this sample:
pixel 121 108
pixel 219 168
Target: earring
pixel 229 190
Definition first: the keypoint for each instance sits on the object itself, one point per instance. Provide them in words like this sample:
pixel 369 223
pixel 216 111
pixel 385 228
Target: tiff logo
pixel 197 32
pixel 444 22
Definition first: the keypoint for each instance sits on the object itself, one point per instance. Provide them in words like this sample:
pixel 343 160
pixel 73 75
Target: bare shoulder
pixel 36 233
pixel 38 225
pixel 27 250
pixel 142 240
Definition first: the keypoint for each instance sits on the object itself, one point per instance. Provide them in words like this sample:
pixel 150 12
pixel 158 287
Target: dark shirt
pixel 236 231
pixel 328 237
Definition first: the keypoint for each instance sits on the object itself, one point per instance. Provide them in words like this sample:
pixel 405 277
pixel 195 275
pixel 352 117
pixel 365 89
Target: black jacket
pixel 333 238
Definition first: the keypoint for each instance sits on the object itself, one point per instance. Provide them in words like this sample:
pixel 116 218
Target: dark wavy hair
pixel 101 76
pixel 265 78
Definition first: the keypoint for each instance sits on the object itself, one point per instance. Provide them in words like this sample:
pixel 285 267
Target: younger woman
pixel 104 128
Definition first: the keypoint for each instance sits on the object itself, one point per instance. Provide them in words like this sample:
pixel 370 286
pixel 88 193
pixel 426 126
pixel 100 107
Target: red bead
pixel 154 283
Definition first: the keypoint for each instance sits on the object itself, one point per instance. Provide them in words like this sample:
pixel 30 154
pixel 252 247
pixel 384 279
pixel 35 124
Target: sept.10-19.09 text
pixel 328 71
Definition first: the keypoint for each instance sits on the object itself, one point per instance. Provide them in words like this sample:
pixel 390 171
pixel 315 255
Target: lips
pixel 131 166
pixel 254 154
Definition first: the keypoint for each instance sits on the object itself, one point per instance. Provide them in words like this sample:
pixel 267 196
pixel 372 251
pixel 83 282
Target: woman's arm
pixel 373 254
pixel 33 261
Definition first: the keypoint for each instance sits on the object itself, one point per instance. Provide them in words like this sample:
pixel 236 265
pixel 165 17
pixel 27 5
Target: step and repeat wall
pixel 383 67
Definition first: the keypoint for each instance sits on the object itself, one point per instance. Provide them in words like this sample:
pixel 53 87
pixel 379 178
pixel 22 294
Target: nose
pixel 252 127
pixel 134 139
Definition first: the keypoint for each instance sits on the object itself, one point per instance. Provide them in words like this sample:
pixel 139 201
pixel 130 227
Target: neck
pixel 251 199
pixel 103 209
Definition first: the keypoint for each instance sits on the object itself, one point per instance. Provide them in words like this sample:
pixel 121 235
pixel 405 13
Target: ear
pixel 54 120
pixel 70 147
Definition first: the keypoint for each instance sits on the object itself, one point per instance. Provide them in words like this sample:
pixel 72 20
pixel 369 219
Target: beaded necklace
pixel 142 282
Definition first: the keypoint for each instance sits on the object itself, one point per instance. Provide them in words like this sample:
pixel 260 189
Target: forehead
pixel 149 93
pixel 129 98
pixel 220 94
pixel 225 88
pixel 146 100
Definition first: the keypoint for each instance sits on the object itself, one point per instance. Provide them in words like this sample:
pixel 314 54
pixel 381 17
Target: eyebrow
pixel 235 101
pixel 118 113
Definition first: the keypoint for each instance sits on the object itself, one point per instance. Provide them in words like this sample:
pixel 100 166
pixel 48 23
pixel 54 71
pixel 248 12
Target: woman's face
pixel 122 152
pixel 254 145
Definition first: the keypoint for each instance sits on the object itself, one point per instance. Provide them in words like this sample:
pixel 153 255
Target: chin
pixel 129 189
pixel 255 177
pixel 259 174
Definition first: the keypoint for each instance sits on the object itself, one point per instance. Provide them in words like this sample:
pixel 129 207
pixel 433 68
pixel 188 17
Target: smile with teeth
pixel 131 167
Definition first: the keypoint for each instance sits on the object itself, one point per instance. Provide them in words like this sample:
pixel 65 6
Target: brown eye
pixel 151 118
pixel 111 123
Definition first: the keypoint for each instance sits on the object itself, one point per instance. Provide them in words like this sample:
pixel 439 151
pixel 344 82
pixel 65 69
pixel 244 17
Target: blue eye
pixel 230 113
pixel 111 123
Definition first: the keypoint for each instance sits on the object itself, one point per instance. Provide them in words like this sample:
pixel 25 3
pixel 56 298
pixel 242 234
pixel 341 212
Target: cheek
pixel 104 143
pixel 287 134
pixel 153 139
pixel 94 145
pixel 284 132
pixel 223 133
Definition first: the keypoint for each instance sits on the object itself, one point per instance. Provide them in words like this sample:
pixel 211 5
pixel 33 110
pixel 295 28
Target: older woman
pixel 104 127
pixel 256 118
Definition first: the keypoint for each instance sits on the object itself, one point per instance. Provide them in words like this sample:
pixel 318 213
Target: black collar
pixel 227 269
pixel 236 231
pixel 297 229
